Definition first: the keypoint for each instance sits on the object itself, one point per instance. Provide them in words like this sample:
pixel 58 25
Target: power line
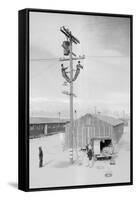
pixel 43 59
pixel 58 59
pixel 107 56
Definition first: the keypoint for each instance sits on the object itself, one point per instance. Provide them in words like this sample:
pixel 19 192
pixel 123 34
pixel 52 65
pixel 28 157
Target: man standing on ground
pixel 40 157
pixel 90 155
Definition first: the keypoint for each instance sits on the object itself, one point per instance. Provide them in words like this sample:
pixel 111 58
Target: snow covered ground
pixel 57 170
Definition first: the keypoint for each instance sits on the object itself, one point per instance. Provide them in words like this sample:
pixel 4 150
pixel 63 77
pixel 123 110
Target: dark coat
pixel 40 154
pixel 90 154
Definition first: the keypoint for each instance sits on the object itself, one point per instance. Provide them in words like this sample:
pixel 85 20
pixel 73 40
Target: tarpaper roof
pixel 46 120
pixel 108 119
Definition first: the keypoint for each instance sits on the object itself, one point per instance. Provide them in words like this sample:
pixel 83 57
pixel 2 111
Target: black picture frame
pixel 23 133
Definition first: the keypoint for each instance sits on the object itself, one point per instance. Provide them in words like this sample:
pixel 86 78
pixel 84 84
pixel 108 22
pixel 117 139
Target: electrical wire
pixel 43 59
pixel 87 57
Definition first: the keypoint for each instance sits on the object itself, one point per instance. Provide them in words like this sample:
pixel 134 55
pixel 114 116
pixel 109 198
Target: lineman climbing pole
pixel 67 45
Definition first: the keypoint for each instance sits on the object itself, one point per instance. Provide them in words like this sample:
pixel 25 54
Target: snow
pixel 57 170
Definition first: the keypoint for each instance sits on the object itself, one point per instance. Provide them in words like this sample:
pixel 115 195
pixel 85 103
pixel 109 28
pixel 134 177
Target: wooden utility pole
pixel 71 103
pixel 71 39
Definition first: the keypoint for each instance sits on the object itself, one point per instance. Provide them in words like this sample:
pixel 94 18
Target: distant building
pixel 98 130
pixel 39 126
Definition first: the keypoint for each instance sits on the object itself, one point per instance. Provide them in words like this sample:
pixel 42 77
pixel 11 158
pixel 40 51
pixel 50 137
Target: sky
pixel 102 85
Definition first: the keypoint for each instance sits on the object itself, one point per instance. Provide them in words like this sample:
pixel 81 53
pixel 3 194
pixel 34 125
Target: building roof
pixel 46 120
pixel 108 119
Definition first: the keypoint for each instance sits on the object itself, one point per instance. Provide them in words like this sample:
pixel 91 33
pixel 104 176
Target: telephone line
pixel 58 59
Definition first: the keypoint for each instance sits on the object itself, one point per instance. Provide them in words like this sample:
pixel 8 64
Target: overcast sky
pixel 104 81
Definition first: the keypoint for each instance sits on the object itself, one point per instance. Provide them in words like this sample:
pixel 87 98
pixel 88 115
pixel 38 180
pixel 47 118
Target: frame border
pixel 23 122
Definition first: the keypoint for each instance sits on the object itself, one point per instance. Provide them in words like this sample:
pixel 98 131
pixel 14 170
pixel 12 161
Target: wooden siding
pixel 90 127
pixel 37 130
pixel 83 134
pixel 55 127
pixel 117 132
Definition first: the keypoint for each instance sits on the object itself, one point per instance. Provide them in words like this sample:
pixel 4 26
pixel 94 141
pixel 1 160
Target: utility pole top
pixel 69 35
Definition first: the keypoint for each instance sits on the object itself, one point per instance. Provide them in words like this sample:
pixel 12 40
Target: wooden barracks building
pixel 46 126
pixel 99 130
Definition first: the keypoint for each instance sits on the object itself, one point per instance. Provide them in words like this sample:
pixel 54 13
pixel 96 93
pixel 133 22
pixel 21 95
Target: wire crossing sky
pixel 105 80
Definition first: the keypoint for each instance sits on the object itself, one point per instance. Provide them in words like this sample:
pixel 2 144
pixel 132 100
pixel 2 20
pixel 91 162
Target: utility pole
pixel 67 45
pixel 71 104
